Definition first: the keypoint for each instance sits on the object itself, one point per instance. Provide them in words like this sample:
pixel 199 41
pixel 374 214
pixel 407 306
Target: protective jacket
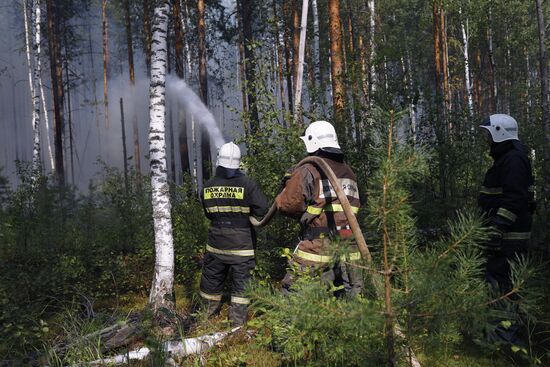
pixel 229 198
pixel 309 197
pixel 507 194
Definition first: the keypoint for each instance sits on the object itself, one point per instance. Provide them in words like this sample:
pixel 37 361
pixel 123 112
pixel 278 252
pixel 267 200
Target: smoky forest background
pixel 111 113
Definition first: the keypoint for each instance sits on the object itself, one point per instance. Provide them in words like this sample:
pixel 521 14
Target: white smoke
pixel 193 106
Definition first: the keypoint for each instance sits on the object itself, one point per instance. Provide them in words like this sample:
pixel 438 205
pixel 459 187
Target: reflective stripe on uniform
pixel 324 259
pixel 228 209
pixel 507 214
pixel 211 297
pixel 339 208
pixel 353 256
pixel 491 190
pixel 313 210
pixel 329 208
pixel 240 300
pixel 516 235
pixel 229 252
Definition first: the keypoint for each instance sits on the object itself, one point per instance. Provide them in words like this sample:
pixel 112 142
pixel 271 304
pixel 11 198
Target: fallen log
pixel 171 348
pixel 111 337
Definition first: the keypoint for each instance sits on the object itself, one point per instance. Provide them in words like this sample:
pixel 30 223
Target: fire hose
pixel 354 225
pixel 359 238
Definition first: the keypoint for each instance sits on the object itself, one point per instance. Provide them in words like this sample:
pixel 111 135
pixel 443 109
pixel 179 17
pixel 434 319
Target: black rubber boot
pixel 214 308
pixel 237 314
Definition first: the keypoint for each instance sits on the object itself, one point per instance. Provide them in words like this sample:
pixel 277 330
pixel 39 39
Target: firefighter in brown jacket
pixel 326 245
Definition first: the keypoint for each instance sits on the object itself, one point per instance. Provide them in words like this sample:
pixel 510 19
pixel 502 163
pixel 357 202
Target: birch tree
pixel 161 296
pixel 34 78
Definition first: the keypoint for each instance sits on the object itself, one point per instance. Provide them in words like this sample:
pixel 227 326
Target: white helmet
pixel 502 127
pixel 229 156
pixel 319 135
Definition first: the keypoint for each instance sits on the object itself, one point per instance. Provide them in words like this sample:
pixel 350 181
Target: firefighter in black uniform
pixel 507 199
pixel 229 198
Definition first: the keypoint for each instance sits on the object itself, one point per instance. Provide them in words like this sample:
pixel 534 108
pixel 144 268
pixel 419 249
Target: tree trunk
pixel 128 25
pixel 245 8
pixel 544 94
pixel 295 40
pixel 287 12
pixel 336 64
pixel 372 46
pixel 493 67
pixel 465 45
pixel 192 139
pixel 69 108
pixel 278 36
pixel 445 66
pixel 300 71
pixel 131 75
pixel 180 71
pixel 178 38
pixel 147 32
pixel 203 89
pixel 124 154
pixel 94 91
pixel 34 78
pixel 316 44
pixel 162 293
pixel 439 108
pixel 56 73
pixel 105 34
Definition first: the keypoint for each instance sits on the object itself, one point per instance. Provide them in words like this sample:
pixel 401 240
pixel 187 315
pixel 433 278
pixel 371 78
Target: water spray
pixel 195 107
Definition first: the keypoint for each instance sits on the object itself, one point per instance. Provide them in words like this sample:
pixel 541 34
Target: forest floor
pixel 243 348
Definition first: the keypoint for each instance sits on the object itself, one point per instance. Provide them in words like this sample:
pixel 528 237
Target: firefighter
pixel 507 199
pixel 229 198
pixel 309 197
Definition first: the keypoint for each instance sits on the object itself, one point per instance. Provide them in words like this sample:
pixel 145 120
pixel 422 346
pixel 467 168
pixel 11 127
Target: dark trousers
pixel 338 274
pixel 214 273
pixel 498 275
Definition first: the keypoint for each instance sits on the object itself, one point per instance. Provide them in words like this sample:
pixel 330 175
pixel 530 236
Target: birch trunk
pixel 372 54
pixel 162 295
pixel 300 71
pixel 34 78
pixel 465 45
pixel 316 44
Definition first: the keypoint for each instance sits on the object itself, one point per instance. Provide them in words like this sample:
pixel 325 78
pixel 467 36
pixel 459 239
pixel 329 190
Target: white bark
pixel 36 89
pixel 372 53
pixel 34 77
pixel 316 47
pixel 161 295
pixel 465 46
pixel 171 348
pixel 300 72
